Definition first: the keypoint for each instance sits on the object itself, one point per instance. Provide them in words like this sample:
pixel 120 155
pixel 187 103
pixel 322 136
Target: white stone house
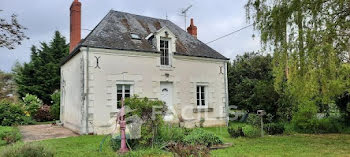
pixel 127 54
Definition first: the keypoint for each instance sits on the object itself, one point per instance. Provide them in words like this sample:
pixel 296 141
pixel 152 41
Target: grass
pixel 293 145
pixel 86 146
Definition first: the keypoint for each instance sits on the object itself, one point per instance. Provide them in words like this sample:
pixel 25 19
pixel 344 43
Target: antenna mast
pixel 184 14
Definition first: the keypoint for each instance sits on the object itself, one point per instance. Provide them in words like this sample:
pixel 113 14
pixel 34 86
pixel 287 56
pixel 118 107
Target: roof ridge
pixel 138 15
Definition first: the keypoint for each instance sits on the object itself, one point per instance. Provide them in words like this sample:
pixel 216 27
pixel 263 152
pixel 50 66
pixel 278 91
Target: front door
pixel 166 95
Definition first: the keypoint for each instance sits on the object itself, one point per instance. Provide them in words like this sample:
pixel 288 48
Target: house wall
pixel 143 71
pixel 72 85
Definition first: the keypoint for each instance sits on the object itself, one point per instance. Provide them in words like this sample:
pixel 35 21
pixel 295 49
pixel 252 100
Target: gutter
pixel 226 96
pixel 87 91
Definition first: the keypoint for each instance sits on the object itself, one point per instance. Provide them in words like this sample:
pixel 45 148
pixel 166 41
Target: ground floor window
pixel 201 96
pixel 123 91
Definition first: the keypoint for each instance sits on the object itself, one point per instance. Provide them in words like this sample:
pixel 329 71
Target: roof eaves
pixel 182 54
pixel 75 51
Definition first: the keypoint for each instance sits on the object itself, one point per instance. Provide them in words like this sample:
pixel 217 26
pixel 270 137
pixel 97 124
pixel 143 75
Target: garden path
pixel 43 132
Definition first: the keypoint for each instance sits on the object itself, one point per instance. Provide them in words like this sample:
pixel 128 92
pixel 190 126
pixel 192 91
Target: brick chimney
pixel 192 29
pixel 75 24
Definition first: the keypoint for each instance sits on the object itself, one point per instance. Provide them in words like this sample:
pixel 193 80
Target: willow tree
pixel 310 44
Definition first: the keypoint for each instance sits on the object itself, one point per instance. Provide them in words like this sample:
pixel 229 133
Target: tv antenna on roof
pixel 184 14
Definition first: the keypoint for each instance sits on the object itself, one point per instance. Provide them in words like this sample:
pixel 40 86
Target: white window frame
pixel 169 52
pixel 206 96
pixel 123 84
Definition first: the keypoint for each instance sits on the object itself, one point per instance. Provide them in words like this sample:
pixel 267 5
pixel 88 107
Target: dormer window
pixel 164 49
pixel 135 36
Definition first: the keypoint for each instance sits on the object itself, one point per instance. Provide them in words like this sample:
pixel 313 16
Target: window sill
pixel 166 68
pixel 196 110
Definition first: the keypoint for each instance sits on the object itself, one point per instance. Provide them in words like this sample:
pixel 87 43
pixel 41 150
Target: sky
pixel 213 19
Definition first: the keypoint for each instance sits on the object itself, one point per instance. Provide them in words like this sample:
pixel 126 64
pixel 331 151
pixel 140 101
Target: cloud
pixel 213 19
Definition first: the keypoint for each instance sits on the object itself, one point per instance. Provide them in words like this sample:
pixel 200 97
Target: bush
pixel 251 131
pixel 43 114
pixel 27 150
pixel 305 119
pixel 327 125
pixel 274 128
pixel 241 129
pixel 319 126
pixel 182 150
pixel 55 108
pixel 32 104
pixel 253 119
pixel 169 133
pixel 12 114
pixel 202 137
pixel 141 112
pixel 11 136
pixel 236 130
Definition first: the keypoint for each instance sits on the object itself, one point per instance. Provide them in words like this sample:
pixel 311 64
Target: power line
pixel 230 34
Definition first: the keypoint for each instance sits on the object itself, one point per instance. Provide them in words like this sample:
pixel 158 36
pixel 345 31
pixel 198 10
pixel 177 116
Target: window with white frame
pixel 201 96
pixel 123 91
pixel 164 49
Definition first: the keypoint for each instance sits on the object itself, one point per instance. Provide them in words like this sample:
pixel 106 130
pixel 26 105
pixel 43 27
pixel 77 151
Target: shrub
pixel 305 119
pixel 182 150
pixel 202 137
pixel 242 129
pixel 6 134
pixel 236 130
pixel 143 108
pixel 55 108
pixel 27 150
pixel 43 114
pixel 274 128
pixel 12 114
pixel 11 136
pixel 253 119
pixel 32 104
pixel 169 133
pixel 289 129
pixel 251 131
pixel 327 125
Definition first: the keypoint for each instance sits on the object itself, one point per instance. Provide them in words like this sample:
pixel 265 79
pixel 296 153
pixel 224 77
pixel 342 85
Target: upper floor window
pixel 164 49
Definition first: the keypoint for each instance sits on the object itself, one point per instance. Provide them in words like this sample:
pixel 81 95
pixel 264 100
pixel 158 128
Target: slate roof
pixel 113 32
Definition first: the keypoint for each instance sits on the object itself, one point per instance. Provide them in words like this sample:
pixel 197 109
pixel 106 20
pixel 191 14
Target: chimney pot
pixel 192 29
pixel 75 24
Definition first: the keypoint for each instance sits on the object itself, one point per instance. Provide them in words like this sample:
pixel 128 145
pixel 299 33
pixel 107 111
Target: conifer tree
pixel 41 76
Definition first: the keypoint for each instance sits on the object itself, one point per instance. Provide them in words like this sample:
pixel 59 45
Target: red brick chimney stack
pixel 75 24
pixel 192 29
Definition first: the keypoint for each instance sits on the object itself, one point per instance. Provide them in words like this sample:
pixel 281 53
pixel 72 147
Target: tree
pixel 41 76
pixel 310 41
pixel 251 83
pixel 11 33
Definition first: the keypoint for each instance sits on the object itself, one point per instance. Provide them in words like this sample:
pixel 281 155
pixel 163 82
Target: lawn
pixel 293 145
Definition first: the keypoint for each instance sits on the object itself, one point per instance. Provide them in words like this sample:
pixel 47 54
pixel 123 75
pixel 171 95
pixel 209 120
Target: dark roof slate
pixel 113 32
